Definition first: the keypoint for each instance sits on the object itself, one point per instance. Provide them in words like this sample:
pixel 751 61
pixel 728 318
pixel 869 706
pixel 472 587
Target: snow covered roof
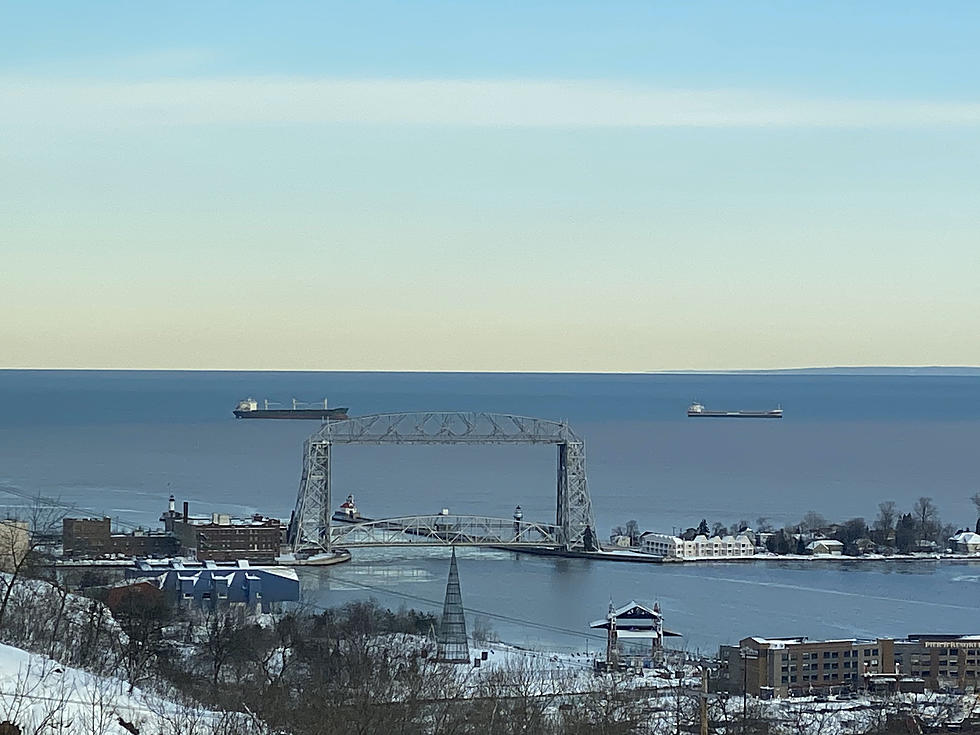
pixel 966 537
pixel 827 542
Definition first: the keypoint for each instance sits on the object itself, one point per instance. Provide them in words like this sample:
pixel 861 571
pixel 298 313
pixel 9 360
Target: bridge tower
pixel 310 525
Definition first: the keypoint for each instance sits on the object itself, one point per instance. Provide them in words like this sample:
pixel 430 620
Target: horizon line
pixel 665 371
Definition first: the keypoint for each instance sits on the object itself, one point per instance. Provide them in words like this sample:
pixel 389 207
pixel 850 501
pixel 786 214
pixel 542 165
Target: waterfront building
pixel 220 537
pixel 700 547
pixel 209 585
pixel 826 547
pixel 86 537
pixel 782 666
pixel 965 542
pixel 779 666
pixel 91 538
pixel 943 661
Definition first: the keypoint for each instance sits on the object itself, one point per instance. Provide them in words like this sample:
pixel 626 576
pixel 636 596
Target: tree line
pixel 892 531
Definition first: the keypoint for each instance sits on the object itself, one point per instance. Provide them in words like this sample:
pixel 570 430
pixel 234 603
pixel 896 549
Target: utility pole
pixel 704 700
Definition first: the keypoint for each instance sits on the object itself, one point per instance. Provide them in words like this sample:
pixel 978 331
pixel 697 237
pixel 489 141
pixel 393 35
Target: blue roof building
pixel 213 585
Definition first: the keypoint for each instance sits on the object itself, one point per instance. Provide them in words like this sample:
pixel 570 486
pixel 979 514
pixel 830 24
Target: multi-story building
pixel 86 537
pixel 783 665
pixel 93 538
pixel 223 538
pixel 210 585
pixel 788 665
pixel 15 540
pixel 943 661
pixel 701 547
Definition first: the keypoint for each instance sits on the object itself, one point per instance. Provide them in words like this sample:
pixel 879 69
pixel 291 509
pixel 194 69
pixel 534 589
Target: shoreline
pixel 637 557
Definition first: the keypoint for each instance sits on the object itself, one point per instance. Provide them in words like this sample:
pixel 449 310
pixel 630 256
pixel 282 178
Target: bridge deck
pixel 445 530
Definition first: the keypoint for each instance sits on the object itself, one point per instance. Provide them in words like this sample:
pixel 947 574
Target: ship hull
pixel 735 414
pixel 317 414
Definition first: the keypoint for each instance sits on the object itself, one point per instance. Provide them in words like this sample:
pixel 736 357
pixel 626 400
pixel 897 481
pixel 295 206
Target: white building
pixel 965 542
pixel 716 547
pixel 826 546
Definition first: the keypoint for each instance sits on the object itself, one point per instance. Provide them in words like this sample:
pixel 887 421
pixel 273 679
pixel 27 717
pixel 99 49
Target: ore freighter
pixel 249 409
pixel 697 410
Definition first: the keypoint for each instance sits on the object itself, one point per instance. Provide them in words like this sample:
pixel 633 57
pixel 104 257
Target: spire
pixel 451 640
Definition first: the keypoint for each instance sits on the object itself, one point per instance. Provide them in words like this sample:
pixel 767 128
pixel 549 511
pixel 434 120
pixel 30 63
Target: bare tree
pixel 812 521
pixel 142 617
pixel 927 518
pixel 20 540
pixel 38 698
pixel 633 531
pixel 611 710
pixel 886 516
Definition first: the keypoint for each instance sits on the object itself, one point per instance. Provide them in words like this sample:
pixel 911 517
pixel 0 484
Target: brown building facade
pixel 86 537
pixel 227 539
pixel 91 538
pixel 943 661
pixel 783 666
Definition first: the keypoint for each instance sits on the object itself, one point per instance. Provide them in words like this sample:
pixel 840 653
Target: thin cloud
pixel 504 103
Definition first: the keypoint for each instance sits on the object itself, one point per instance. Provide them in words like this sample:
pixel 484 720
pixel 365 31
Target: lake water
pixel 120 442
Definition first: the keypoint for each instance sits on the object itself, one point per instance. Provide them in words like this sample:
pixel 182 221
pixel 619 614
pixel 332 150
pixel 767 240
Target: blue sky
pixel 507 186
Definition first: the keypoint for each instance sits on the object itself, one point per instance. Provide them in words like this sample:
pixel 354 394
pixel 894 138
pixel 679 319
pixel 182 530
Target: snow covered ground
pixel 41 695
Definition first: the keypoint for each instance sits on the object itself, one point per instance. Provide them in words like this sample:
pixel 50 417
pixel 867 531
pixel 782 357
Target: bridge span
pixel 311 528
pixel 446 530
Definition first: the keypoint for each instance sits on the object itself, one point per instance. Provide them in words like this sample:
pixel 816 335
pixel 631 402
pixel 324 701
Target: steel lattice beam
pixel 446 530
pixel 311 527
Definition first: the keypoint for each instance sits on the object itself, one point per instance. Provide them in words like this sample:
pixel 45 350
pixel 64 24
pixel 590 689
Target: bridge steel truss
pixel 311 525
pixel 440 530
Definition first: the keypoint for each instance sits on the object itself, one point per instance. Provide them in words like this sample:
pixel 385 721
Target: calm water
pixel 120 442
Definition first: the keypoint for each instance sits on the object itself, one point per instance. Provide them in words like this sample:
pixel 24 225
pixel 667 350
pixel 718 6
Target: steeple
pixel 451 640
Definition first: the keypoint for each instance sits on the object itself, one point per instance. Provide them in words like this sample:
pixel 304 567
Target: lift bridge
pixel 311 530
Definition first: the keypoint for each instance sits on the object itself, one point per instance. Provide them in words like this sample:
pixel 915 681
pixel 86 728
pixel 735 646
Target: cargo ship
pixel 250 409
pixel 696 410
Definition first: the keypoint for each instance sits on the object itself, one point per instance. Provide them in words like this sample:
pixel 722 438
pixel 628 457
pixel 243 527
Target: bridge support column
pixel 574 512
pixel 313 504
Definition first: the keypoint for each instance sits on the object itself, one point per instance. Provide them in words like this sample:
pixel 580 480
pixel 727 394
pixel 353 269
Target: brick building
pixel 92 538
pixel 784 665
pixel 219 537
pixel 86 537
pixel 943 661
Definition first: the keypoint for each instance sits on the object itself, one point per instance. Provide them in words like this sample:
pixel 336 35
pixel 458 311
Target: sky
pixel 566 186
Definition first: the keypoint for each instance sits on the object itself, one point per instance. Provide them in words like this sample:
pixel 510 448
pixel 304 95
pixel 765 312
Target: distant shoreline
pixel 870 371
